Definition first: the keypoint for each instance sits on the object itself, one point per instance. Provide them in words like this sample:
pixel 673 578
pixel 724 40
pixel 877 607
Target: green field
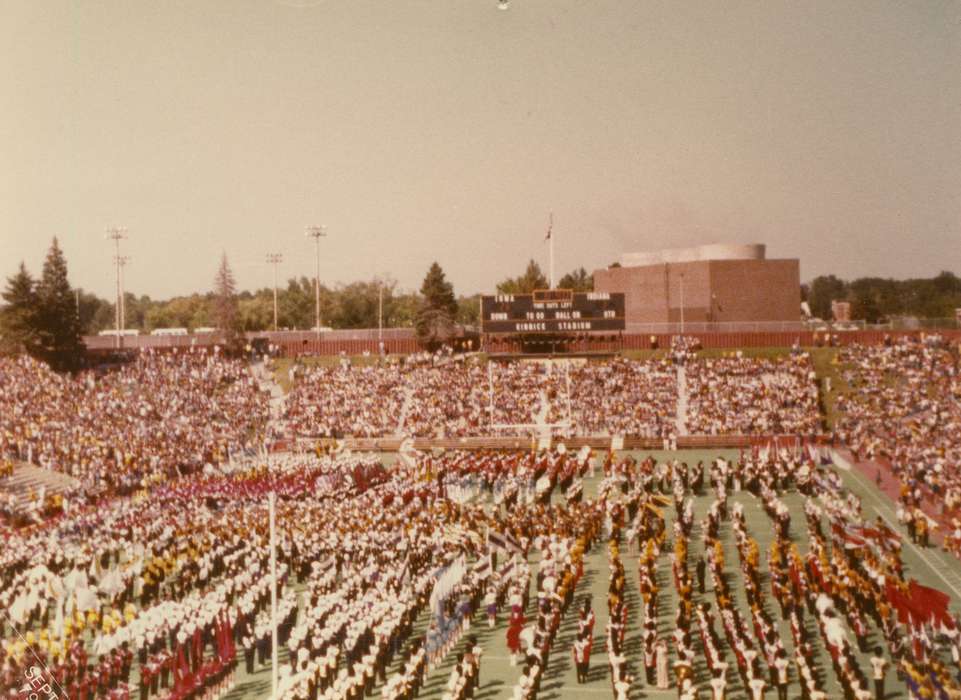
pixel 931 567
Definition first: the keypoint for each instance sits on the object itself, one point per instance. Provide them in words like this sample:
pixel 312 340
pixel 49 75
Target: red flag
pixel 847 535
pixel 181 669
pixel 898 601
pixel 919 604
pixel 931 603
pixel 883 536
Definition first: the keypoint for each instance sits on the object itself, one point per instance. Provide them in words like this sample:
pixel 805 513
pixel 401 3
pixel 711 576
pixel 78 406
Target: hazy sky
pixel 447 129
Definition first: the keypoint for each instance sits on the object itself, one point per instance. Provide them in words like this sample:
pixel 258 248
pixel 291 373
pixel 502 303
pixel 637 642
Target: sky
pixel 449 130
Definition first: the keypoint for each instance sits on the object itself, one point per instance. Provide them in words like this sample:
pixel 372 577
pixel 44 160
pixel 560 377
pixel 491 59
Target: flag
pixel 502 540
pixel 883 536
pixel 449 576
pixel 932 603
pixel 482 567
pixel 550 226
pixel 851 536
pixel 917 604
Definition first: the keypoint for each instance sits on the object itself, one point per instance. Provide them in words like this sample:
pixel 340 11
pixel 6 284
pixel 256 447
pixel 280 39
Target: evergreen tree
pixel 435 319
pixel 225 309
pixel 59 327
pixel 19 318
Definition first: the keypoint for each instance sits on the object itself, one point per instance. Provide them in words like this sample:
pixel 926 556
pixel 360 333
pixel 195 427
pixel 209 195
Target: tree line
pixel 47 317
pixel 876 299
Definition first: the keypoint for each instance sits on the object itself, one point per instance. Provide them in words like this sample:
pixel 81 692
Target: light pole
pixel 380 310
pixel 121 263
pixel 274 259
pixel 317 232
pixel 272 508
pixel 116 234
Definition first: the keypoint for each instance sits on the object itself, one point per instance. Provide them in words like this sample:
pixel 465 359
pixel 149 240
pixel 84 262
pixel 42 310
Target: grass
pixel 497 676
pixel 769 353
pixel 642 355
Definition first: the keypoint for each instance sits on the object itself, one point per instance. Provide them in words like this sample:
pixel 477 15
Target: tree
pixel 578 280
pixel 468 310
pixel 435 319
pixel 865 298
pixel 225 313
pixel 180 312
pixel 59 327
pixel 822 292
pixel 19 330
pixel 96 314
pixel 532 279
pixel 356 305
pixel 257 312
pixel 102 319
pixel 403 310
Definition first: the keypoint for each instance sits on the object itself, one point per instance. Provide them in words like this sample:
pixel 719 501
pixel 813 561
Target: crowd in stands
pixel 458 398
pixel 157 418
pixel 155 581
pixel 448 400
pixel 750 396
pixel 624 397
pixel 900 404
pixel 362 401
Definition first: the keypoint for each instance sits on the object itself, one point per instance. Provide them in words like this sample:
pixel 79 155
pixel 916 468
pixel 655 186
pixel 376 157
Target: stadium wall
pixel 603 343
pixel 394 444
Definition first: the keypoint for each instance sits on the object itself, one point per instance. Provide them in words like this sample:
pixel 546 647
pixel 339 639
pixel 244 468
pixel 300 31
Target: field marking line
pixel 923 558
pixel 879 501
pixel 890 511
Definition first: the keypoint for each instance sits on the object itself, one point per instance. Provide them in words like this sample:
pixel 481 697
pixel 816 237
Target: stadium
pixel 624 364
pixel 462 525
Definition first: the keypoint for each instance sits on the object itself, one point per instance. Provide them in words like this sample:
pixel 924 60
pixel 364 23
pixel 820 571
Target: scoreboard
pixel 552 311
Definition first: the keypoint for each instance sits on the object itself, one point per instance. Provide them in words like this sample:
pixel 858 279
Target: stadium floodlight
pixel 682 303
pixel 317 232
pixel 116 234
pixel 122 263
pixel 274 259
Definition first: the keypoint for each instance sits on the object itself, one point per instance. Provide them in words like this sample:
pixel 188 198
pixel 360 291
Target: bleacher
pixel 28 479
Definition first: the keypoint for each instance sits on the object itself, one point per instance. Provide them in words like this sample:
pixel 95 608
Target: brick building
pixel 710 286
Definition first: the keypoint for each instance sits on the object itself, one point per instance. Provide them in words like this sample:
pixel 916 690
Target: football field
pixel 931 567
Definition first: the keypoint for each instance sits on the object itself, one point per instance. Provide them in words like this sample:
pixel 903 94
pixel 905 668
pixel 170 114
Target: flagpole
pixel 490 392
pixel 273 595
pixel 550 237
